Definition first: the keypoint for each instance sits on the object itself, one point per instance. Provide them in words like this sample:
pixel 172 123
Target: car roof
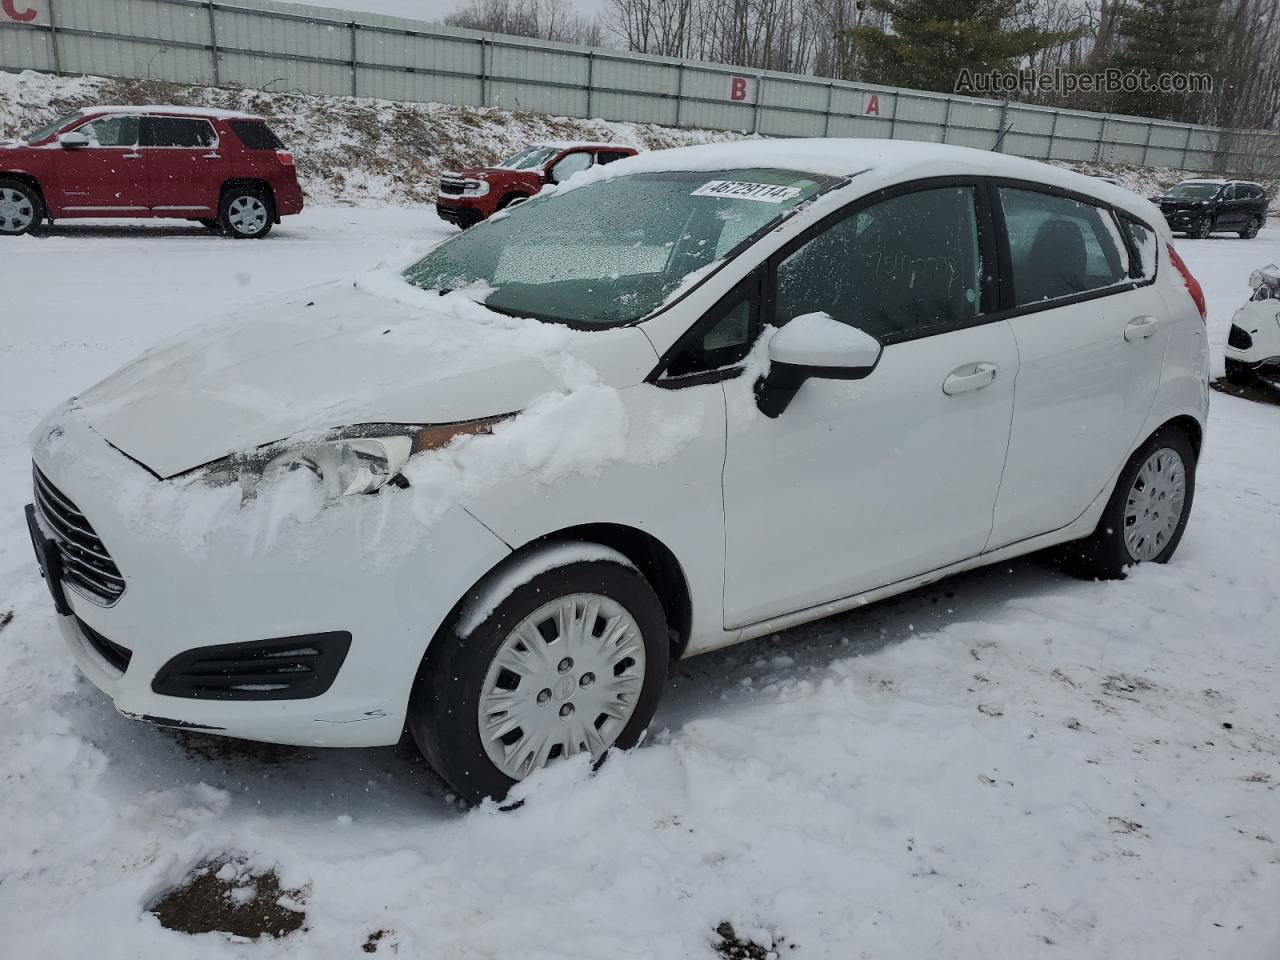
pixel 172 110
pixel 892 160
pixel 1217 180
pixel 592 144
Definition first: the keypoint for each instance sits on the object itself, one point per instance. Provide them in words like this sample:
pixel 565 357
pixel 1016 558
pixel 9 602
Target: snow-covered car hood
pixel 380 351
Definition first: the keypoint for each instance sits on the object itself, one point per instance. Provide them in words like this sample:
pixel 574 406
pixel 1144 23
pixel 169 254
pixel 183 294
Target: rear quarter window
pixel 255 135
pixel 1144 244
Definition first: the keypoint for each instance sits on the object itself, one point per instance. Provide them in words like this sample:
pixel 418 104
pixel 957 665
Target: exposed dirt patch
pixel 6 618
pixel 376 939
pixel 216 749
pixel 1257 392
pixel 1124 687
pixel 737 948
pixel 226 895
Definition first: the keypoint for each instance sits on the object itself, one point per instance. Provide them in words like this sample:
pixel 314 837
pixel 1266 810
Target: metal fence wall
pixel 288 47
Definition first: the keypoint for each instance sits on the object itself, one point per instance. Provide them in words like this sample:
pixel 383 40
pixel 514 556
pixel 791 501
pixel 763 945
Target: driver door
pixel 108 178
pixel 862 483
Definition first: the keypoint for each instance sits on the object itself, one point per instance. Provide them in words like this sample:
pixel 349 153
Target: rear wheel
pixel 246 213
pixel 1147 513
pixel 572 661
pixel 1251 231
pixel 20 208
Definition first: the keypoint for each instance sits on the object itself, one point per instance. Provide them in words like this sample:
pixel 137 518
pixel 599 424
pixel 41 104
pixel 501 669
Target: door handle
pixel 131 156
pixel 973 377
pixel 1140 328
pixel 211 156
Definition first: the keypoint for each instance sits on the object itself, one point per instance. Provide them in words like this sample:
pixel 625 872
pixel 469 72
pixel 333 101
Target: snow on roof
pixel 883 161
pixel 1203 180
pixel 169 109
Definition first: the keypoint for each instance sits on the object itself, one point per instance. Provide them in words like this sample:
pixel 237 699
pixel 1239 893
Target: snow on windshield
pixel 615 250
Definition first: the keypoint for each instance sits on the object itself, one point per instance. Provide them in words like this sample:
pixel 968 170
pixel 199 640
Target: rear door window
pixel 609 156
pixel 177 132
pixel 1059 246
pixel 255 135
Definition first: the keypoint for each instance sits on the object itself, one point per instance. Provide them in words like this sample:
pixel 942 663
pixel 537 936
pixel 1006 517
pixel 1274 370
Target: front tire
pixel 20 208
pixel 1147 513
pixel 246 213
pixel 571 661
pixel 1203 229
pixel 1240 374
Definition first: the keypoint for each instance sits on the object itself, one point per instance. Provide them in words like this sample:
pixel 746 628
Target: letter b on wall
pixel 737 88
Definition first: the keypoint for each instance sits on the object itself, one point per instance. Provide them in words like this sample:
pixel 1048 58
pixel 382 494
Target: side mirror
pixel 813 345
pixel 73 140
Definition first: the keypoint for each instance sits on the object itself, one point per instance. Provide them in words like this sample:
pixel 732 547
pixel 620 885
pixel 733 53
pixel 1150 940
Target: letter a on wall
pixel 873 105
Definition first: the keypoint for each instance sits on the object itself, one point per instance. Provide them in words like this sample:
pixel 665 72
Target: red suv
pixel 226 170
pixel 468 196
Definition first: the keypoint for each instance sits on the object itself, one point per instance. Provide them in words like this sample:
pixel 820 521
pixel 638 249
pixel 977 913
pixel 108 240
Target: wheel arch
pixel 510 197
pixel 650 556
pixel 31 181
pixel 233 183
pixel 1189 425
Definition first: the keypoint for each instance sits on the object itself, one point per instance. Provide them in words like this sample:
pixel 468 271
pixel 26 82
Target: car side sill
pixel 1070 532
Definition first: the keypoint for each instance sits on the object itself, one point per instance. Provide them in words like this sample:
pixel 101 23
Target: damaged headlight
pixel 351 461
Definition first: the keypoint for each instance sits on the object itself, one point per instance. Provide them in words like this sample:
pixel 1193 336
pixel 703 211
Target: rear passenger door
pixel 1091 331
pixel 184 167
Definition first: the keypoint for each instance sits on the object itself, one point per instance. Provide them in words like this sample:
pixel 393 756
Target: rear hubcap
pixel 16 211
pixel 566 680
pixel 247 215
pixel 1154 505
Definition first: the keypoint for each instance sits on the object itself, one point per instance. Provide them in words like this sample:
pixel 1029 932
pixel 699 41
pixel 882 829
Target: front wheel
pixel 1203 229
pixel 20 208
pixel 1147 513
pixel 246 213
pixel 1251 231
pixel 571 661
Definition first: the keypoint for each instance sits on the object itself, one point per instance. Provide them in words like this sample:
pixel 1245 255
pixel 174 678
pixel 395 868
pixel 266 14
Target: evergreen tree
pixel 1167 36
pixel 930 41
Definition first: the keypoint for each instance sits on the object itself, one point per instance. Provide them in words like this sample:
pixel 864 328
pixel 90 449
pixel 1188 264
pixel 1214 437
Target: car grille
pixel 453 187
pixel 1239 338
pixel 86 563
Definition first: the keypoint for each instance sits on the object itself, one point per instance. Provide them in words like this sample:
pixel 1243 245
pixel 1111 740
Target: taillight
pixel 285 158
pixel 1193 285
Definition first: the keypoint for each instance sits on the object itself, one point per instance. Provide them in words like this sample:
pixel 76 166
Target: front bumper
pixel 464 215
pixel 354 568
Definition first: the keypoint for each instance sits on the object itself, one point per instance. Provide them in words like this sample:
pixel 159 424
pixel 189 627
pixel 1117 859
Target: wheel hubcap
pixel 566 680
pixel 16 211
pixel 1154 505
pixel 247 214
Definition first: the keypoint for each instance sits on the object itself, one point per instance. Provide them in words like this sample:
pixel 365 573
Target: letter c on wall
pixel 10 8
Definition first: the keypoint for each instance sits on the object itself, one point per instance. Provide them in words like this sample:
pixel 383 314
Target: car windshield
pixel 51 128
pixel 1195 191
pixel 528 158
pixel 615 250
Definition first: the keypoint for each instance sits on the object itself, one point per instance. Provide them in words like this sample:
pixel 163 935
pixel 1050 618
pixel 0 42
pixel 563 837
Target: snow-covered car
pixel 677 402
pixel 1253 342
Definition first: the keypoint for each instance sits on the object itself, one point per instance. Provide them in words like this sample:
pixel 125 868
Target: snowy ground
pixel 1011 764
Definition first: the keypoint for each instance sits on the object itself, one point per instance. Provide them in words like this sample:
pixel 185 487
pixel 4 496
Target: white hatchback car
pixel 683 400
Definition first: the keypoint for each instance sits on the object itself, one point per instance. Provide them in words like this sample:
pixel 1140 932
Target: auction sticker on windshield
pixel 740 190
